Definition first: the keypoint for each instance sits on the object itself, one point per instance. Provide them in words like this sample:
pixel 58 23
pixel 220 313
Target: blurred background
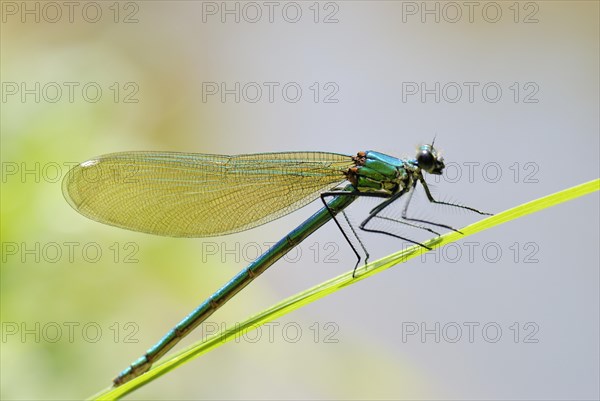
pixel 509 88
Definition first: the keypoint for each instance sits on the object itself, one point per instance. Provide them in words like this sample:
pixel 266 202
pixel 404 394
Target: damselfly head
pixel 429 160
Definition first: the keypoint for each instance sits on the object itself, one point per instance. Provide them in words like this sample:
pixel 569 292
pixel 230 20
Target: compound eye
pixel 425 160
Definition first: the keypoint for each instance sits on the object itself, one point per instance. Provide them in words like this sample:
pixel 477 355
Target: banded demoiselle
pixel 201 195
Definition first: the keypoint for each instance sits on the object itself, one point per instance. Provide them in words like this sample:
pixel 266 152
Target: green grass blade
pixel 328 287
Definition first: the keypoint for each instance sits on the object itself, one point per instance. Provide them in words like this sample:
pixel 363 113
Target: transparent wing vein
pixel 199 195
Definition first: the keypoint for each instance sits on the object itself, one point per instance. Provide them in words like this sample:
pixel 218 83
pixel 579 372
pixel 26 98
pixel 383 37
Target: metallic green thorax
pixel 377 172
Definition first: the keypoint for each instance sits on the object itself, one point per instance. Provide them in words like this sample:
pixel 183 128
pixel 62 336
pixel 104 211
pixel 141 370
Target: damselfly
pixel 200 195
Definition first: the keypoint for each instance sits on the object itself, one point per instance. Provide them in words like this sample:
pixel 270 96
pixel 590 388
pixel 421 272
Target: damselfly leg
pixel 375 213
